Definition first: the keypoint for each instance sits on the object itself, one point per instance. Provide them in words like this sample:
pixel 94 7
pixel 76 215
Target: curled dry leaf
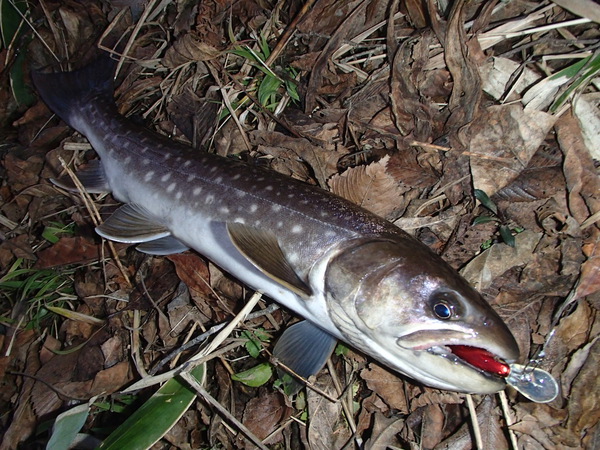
pixel 371 187
pixel 189 48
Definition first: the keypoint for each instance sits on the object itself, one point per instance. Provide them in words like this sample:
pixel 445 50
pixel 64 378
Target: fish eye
pixel 445 305
pixel 442 311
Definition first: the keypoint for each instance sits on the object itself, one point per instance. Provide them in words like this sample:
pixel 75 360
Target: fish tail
pixel 67 93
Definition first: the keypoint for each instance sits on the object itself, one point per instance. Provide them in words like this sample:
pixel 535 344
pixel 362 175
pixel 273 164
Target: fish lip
pixel 440 342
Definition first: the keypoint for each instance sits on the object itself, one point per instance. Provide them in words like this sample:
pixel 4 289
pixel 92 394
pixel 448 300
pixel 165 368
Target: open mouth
pixel 476 357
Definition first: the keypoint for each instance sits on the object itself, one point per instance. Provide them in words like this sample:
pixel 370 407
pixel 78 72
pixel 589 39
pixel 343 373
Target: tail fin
pixel 66 93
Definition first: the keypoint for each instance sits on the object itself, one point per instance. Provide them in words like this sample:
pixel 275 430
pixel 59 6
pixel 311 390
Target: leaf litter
pixel 402 107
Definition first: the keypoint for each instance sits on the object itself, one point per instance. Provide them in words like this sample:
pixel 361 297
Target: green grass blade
pixel 66 427
pixel 156 417
pixel 10 19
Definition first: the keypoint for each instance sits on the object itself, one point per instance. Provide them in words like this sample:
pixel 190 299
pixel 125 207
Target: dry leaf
pixel 69 250
pixel 499 258
pixel 189 48
pixel 501 141
pixel 371 187
pixel 580 172
pixel 263 414
pixel 327 428
pixel 387 385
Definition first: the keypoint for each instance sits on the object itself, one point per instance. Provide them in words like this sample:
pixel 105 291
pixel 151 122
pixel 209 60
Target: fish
pixel 351 275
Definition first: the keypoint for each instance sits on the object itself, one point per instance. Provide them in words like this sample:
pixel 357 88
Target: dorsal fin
pixel 262 249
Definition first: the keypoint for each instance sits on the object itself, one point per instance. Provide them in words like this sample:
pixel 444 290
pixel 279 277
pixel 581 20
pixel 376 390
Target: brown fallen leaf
pixel 501 140
pixel 371 187
pixel 387 385
pixel 499 258
pixel 263 414
pixel 193 271
pixel 189 48
pixel 69 250
pixel 580 171
pixel 327 428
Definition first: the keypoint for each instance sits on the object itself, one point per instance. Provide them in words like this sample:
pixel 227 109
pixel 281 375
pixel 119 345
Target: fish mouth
pixel 477 358
pixel 458 347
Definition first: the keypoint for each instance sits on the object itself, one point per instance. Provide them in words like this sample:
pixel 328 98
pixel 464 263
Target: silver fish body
pixel 352 275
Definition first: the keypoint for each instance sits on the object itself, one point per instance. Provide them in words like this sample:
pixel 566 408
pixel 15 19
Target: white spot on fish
pixel 239 220
pixel 187 163
pixel 253 208
pixel 145 162
pixel 178 195
pixel 291 195
pixel 236 176
pixel 224 210
pixel 293 258
pixel 149 175
pixel 257 223
pixel 218 179
pixel 143 150
pixel 166 176
pixel 167 156
pixel 296 229
pixel 197 191
pixel 260 179
pixel 279 224
pixel 241 194
pixel 171 187
pixel 127 160
pixel 190 178
pixel 213 169
pixel 268 188
pixel 330 233
pixel 209 199
pixel 178 159
pixel 276 208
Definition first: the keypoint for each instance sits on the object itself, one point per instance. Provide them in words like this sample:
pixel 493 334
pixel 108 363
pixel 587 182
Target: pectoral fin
pixel 305 349
pixel 163 246
pixel 131 224
pixel 92 177
pixel 262 249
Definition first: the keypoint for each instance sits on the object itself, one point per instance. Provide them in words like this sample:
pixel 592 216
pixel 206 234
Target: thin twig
pixel 508 419
pixel 474 421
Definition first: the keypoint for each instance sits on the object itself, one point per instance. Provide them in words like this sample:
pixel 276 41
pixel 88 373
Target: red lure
pixel 482 359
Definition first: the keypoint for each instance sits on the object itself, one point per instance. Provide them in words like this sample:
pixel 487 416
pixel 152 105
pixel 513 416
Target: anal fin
pixel 262 249
pixel 304 348
pixel 131 224
pixel 92 177
pixel 164 246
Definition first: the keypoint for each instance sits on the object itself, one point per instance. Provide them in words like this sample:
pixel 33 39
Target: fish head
pixel 402 304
